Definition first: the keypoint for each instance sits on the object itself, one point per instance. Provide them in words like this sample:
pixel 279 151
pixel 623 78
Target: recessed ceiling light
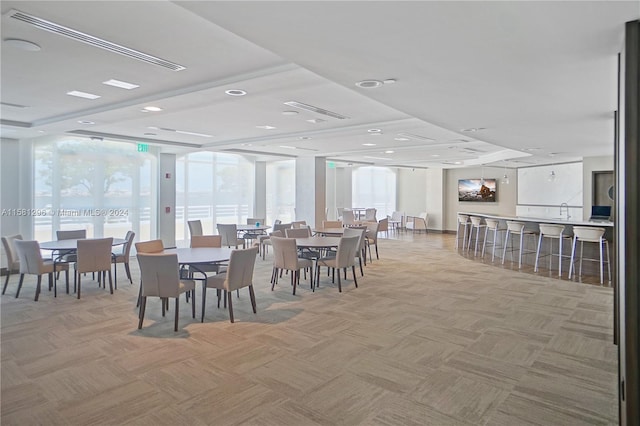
pixel 316 120
pixel 86 122
pixel 289 112
pixel 374 130
pixel 288 147
pixel 458 162
pixel 152 109
pixel 389 81
pixel 153 128
pixel 41 131
pixel 247 144
pixel 121 84
pixel 472 129
pixel 369 84
pixel 369 144
pixel 22 44
pixel 235 92
pixel 389 152
pixel 305 138
pixel 435 155
pixel 266 127
pixel 401 139
pixel 84 95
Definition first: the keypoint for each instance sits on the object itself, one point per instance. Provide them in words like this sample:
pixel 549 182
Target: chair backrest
pixel 397 216
pixel 348 218
pixel 347 249
pixel 491 223
pixel 515 226
pixel 277 222
pixel 75 234
pixel 372 231
pixel 588 233
pixel 229 234
pixel 550 229
pixel 358 231
pixel 159 274
pixel 278 233
pixel 285 253
pixel 476 220
pixel 298 233
pixel 463 219
pixel 298 224
pixel 340 210
pixel 29 256
pixel 370 214
pixel 153 246
pixel 206 241
pixel 424 216
pixel 254 220
pixel 127 247
pixel 240 269
pixel 10 250
pixel 331 224
pixel 195 228
pixel 94 255
pixel 281 226
pixel 383 225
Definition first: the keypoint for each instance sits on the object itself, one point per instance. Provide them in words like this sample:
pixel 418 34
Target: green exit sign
pixel 143 147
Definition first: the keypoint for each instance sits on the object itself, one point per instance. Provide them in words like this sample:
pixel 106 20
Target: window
pixel 281 191
pixel 375 187
pixel 214 188
pixel 104 187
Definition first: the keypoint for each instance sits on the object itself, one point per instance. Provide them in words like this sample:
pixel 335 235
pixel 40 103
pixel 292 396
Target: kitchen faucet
pixel 565 205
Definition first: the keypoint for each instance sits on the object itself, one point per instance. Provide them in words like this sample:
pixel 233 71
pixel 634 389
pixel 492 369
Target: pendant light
pixel 505 177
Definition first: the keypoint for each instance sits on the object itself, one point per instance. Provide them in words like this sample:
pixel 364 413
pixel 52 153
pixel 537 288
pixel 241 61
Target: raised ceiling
pixel 537 79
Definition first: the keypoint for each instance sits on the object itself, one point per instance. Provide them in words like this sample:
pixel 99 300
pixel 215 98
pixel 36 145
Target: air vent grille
pixel 91 40
pixel 315 109
pixel 414 136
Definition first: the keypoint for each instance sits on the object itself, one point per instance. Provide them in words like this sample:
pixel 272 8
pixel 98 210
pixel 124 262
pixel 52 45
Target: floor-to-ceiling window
pixel 214 188
pixel 105 187
pixel 375 187
pixel 281 190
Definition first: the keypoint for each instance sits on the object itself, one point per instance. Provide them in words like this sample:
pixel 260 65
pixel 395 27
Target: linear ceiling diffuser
pixel 315 109
pixel 91 40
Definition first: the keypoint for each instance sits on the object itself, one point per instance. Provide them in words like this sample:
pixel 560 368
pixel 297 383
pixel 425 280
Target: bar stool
pixel 516 228
pixel 491 225
pixel 553 232
pixel 587 234
pixel 476 223
pixel 463 220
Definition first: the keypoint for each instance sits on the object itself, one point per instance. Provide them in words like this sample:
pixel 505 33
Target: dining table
pixel 328 231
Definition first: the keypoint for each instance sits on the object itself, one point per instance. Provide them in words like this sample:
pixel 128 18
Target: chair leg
pixel 252 295
pixel 162 300
pixel 128 271
pixel 115 273
pixel 19 285
pixel 111 283
pixel 175 322
pixel 143 305
pixel 294 280
pixel 193 303
pixel 66 273
pixel 353 271
pixel 79 284
pixel 230 306
pixel 361 270
pixel 6 280
pixel 38 288
pixel 339 283
pixel 52 282
pixel 204 300
pixel 377 257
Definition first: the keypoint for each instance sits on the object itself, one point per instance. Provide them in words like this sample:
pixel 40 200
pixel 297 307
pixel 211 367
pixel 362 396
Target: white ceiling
pixel 539 78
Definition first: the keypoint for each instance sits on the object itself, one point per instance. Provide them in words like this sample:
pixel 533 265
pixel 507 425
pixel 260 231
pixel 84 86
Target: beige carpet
pixel 429 338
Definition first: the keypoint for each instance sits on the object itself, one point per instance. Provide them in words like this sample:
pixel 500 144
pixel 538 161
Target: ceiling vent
pixel 412 136
pixel 315 109
pixel 43 24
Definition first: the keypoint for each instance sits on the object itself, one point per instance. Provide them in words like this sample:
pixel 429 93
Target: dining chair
pixel 13 262
pixel 372 238
pixel 160 278
pixel 285 258
pixel 340 211
pixel 384 226
pixel 298 232
pixel 417 223
pixel 348 218
pixel 265 240
pixel 229 233
pixel 370 215
pixel 73 234
pixel 299 224
pixel 195 228
pixel 147 247
pixel 360 232
pixel 123 257
pixel 239 274
pixel 331 224
pixel 94 255
pixel 31 263
pixel 345 257
pixel 205 241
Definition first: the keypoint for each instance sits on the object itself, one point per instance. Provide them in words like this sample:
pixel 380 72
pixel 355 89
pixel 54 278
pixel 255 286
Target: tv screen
pixel 482 190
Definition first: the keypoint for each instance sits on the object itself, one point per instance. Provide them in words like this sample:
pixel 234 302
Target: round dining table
pixel 328 231
pixel 201 255
pixel 72 245
pixel 318 242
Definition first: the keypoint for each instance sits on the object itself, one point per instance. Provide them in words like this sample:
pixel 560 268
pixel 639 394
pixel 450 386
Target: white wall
pixel 435 199
pixel 505 204
pixel 260 190
pixel 311 193
pixel 167 198
pixel 411 191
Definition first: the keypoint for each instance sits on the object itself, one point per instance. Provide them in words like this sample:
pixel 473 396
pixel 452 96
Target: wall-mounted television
pixel 482 190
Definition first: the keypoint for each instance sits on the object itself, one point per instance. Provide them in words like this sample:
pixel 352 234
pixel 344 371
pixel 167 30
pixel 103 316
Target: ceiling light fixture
pixel 22 44
pixel 152 109
pixel 121 84
pixel 315 109
pixel 235 92
pixel 369 144
pixel 389 81
pixel 316 120
pixel 472 129
pixel 374 130
pixel 401 139
pixel 84 95
pixel 289 112
pixel 369 84
pixel 288 147
pixel 389 152
pixel 305 138
pixel 266 127
pixel 185 132
pixel 86 122
pixel 414 136
pixel 505 177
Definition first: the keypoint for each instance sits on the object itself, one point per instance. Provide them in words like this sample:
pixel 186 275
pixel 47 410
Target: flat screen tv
pixel 481 190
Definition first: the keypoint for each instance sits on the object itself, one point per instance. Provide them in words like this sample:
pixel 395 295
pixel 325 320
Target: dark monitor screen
pixel 604 211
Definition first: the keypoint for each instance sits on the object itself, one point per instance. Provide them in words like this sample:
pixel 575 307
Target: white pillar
pixel 167 199
pixel 311 189
pixel 260 190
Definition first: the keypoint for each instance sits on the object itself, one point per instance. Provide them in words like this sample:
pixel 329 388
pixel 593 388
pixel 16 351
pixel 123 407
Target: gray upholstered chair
pixel 229 234
pixel 13 263
pixel 239 274
pixel 285 258
pixel 195 228
pixel 31 263
pixel 160 278
pixel 360 232
pixel 123 257
pixel 94 255
pixel 345 257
